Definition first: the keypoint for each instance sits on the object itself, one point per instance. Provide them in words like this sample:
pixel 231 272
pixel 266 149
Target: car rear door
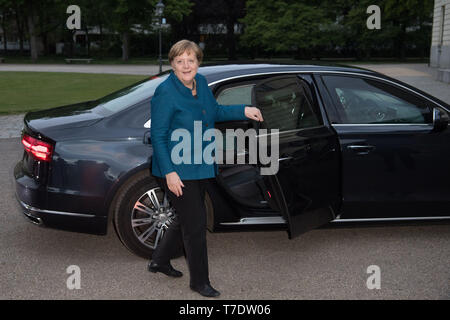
pixel 394 163
pixel 308 163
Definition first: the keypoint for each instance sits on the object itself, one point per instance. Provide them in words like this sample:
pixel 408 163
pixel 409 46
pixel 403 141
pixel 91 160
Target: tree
pixel 5 14
pixel 127 13
pixel 19 14
pixel 178 14
pixel 337 25
pixel 404 15
pixel 43 18
pixel 31 18
pixel 358 36
pixel 226 12
pixel 95 13
pixel 284 25
pixel 398 19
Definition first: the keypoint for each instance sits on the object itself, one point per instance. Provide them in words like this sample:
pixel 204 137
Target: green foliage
pixel 284 25
pixel 399 22
pixel 303 28
pixel 288 25
pixel 175 10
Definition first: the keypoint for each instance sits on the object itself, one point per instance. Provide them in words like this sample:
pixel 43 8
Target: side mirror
pixel 440 120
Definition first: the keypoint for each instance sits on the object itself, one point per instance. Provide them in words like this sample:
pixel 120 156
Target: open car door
pixel 308 151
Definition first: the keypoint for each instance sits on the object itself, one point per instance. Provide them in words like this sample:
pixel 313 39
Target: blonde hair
pixel 185 45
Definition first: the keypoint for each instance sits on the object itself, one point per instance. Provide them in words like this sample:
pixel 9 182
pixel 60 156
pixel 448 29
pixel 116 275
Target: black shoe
pixel 166 269
pixel 206 291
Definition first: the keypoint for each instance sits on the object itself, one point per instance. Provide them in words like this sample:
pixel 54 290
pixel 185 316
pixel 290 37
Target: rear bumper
pixel 32 197
pixel 30 213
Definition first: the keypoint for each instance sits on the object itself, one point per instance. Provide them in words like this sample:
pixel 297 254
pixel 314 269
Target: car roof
pixel 222 71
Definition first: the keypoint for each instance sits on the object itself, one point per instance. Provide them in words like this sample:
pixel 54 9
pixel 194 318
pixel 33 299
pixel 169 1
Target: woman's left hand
pixel 253 113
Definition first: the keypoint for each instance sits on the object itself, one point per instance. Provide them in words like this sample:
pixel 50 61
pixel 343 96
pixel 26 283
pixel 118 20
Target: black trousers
pixel 188 228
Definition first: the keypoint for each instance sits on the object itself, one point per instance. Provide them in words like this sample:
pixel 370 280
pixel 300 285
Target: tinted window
pixel 236 95
pixel 286 104
pixel 366 101
pixel 129 96
pixel 135 117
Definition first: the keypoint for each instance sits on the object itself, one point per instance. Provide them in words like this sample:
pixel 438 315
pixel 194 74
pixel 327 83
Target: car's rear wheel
pixel 142 215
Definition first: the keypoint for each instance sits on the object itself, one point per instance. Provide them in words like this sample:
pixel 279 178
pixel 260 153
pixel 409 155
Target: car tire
pixel 138 223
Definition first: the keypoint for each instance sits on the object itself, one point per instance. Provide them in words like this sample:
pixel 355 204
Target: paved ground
pixel 11 126
pixel 322 264
pixel 417 75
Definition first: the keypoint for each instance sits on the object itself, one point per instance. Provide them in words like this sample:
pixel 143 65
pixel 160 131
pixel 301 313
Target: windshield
pixel 128 96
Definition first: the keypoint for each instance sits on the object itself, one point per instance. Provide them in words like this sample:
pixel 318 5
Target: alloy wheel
pixel 151 216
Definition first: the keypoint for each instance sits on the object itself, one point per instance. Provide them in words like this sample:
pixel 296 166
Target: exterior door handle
pixel 361 149
pixel 285 159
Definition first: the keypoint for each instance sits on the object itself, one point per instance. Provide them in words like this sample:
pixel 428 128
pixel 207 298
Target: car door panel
pixel 310 179
pixel 393 169
pixel 308 172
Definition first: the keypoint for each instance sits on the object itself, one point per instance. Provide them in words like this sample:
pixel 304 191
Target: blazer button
pixel 203 111
pixel 206 125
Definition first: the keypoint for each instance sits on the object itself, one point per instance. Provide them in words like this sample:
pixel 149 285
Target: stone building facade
pixel 440 44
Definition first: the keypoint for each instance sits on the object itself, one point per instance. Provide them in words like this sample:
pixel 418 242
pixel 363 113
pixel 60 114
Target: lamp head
pixel 159 8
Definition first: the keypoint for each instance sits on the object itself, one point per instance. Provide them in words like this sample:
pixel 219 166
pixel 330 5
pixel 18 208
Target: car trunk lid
pixel 47 122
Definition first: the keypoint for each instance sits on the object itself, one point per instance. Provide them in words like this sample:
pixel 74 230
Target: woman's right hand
pixel 174 183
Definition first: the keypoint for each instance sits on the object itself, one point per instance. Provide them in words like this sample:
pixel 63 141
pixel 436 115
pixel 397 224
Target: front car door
pixel 308 171
pixel 394 163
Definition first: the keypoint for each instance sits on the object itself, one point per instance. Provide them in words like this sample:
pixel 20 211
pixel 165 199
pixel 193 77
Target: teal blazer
pixel 174 107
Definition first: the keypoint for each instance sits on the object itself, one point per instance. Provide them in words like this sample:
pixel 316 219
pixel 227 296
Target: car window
pixel 286 104
pixel 129 96
pixel 366 101
pixel 241 94
pixel 237 93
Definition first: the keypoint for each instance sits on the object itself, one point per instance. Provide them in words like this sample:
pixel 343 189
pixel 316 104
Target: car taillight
pixel 40 150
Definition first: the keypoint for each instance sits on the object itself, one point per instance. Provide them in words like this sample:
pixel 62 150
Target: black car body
pixel 353 145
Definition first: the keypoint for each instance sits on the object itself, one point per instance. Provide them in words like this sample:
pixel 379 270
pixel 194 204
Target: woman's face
pixel 185 67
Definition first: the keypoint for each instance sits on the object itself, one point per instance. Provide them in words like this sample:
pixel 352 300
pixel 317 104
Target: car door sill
pixel 339 220
pixel 256 221
pixel 280 220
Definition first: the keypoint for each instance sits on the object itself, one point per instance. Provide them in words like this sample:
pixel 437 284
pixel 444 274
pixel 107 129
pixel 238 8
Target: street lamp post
pixel 159 13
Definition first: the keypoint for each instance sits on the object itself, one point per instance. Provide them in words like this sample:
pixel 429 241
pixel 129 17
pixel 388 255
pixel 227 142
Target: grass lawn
pixel 28 91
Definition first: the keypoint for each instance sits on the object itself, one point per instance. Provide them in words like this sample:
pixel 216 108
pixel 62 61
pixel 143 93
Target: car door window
pixel 367 101
pixel 240 94
pixel 286 104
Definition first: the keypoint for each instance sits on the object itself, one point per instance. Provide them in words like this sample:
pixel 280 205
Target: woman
pixel 184 97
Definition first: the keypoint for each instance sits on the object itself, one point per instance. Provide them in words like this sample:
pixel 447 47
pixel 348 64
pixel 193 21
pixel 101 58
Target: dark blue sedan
pixel 354 145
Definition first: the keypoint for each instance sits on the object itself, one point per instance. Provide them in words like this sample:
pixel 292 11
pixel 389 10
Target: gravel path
pixel 85 68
